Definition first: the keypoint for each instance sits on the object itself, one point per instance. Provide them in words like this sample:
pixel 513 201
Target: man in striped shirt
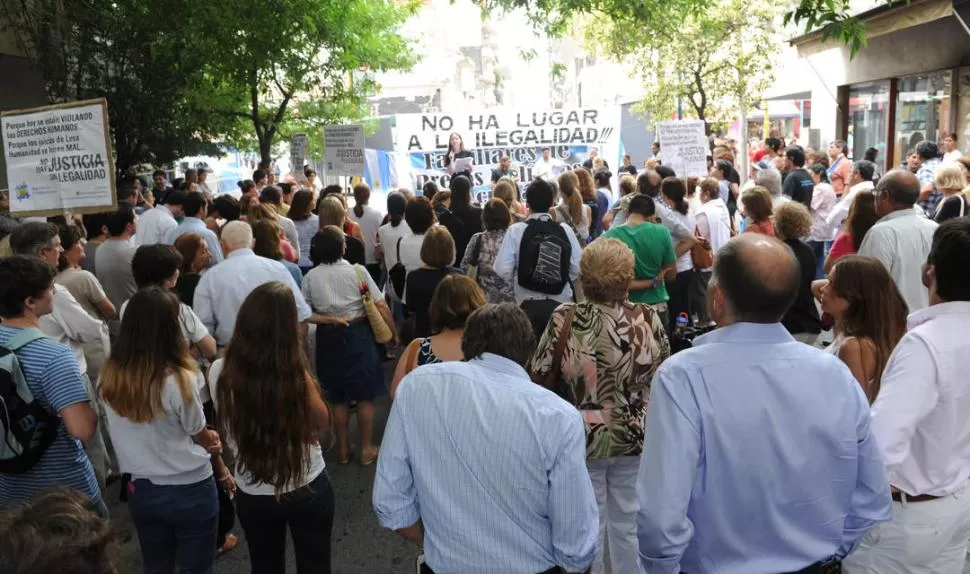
pixel 54 377
pixel 483 469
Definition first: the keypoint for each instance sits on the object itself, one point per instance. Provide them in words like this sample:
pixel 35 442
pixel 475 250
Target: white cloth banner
pixel 59 158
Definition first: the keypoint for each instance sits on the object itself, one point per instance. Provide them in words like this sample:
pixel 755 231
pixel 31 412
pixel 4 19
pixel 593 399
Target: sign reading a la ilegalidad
pixel 59 159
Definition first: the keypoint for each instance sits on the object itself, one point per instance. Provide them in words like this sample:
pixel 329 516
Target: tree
pixel 129 53
pixel 833 17
pixel 715 63
pixel 306 71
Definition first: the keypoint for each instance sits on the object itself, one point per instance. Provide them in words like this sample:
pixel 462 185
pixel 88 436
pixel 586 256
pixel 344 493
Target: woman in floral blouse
pixel 482 249
pixel 613 348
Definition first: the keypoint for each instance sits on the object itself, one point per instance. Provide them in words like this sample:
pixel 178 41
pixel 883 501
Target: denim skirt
pixel 349 365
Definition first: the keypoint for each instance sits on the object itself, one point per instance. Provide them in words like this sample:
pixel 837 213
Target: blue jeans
pixel 176 523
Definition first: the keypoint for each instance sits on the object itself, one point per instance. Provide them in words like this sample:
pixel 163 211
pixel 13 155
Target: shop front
pixel 907 85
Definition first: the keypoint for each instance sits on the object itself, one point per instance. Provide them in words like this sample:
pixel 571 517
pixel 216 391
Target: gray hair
pixel 29 238
pixel 237 235
pixel 503 330
pixel 769 179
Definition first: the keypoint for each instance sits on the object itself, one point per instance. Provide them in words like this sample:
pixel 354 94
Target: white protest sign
pixel 683 147
pixel 298 147
pixel 344 149
pixel 59 158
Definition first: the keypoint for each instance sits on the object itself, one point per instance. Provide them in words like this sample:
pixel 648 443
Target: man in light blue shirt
pixel 538 306
pixel 758 456
pixel 194 207
pixel 483 468
pixel 223 288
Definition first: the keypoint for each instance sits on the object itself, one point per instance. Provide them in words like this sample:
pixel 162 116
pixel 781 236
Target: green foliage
pixel 308 70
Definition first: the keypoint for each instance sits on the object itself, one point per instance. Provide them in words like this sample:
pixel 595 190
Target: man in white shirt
pixel 901 239
pixel 919 420
pixel 223 288
pixel 863 173
pixel 538 305
pixel 156 223
pixel 67 323
pixel 547 168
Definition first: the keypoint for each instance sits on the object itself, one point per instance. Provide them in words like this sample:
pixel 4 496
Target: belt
pixel 830 566
pixel 898 497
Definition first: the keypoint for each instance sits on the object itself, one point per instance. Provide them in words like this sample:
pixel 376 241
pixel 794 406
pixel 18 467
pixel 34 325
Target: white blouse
pixel 334 289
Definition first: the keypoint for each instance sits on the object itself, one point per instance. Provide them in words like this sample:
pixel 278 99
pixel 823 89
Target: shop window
pixel 963 110
pixel 868 119
pixel 922 112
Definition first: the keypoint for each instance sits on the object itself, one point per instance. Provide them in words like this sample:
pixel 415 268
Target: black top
pixel 418 291
pixel 467 173
pixel 498 174
pixel 735 178
pixel 355 251
pixel 803 315
pixel 630 169
pixel 799 186
pixel 185 287
pixel 954 206
pixel 462 223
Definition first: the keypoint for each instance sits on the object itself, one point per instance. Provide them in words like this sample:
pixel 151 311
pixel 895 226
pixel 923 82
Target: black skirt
pixel 349 366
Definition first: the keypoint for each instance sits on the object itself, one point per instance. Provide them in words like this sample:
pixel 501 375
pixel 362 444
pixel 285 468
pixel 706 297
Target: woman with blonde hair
pixel 264 212
pixel 793 222
pixel 571 211
pixel 612 350
pixel 150 386
pixel 951 182
pixel 332 212
pixel 507 192
pixel 454 299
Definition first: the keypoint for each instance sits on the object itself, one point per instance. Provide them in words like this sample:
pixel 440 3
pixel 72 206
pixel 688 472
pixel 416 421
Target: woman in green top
pixel 612 349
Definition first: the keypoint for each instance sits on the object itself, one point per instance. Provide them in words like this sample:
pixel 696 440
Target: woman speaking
pixel 456 151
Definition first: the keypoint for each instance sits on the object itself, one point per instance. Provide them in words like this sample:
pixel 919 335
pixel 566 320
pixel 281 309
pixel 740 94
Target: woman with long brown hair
pixel 266 243
pixel 307 224
pixel 862 216
pixel 195 258
pixel 572 211
pixel 289 240
pixel 870 317
pixel 150 387
pixel 270 411
pixel 507 192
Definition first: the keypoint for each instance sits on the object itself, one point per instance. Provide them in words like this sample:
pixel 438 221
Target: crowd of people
pixel 584 378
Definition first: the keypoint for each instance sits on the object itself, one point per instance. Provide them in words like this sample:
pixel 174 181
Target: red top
pixel 842 246
pixel 764 228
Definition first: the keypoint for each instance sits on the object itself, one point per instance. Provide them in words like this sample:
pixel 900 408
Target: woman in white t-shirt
pixel 150 387
pixel 388 235
pixel 674 194
pixel 159 265
pixel 271 412
pixel 369 220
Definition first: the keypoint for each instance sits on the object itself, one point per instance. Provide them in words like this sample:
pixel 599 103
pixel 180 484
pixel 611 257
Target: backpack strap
pixel 23 338
pixel 399 240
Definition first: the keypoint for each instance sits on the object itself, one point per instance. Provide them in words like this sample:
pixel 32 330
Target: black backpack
pixel 28 429
pixel 398 274
pixel 544 256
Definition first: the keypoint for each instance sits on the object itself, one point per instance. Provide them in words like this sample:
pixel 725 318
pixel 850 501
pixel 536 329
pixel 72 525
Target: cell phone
pixel 418 563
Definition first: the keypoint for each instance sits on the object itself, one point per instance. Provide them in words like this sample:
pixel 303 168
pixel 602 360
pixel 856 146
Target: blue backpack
pixel 27 428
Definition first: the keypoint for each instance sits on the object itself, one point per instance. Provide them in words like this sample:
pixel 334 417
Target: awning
pixel 777 110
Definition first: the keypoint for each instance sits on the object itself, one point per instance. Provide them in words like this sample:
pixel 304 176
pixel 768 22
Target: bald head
pixel 648 183
pixel 758 276
pixel 901 187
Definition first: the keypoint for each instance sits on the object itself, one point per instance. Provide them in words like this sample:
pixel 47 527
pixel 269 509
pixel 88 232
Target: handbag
pixel 552 377
pixel 398 273
pixel 701 255
pixel 382 333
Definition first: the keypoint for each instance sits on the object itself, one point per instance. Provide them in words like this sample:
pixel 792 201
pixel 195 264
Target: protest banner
pixel 684 147
pixel 298 147
pixel 59 159
pixel 569 134
pixel 344 150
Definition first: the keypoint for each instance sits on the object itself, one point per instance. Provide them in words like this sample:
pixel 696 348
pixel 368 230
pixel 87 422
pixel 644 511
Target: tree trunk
pixel 265 149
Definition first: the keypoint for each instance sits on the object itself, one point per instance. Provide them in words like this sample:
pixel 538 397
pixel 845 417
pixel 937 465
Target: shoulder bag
pixel 701 254
pixel 382 332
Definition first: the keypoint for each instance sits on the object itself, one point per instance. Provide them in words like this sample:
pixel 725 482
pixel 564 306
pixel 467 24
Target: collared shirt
pixel 841 210
pixel 676 227
pixel 901 241
pixel 919 418
pixel 507 261
pixel 335 289
pixel 223 289
pixel 493 465
pixel 196 225
pixel 69 324
pixel 926 174
pixel 154 225
pixel 758 458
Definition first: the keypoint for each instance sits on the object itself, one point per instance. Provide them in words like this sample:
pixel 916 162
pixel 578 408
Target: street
pixel 360 545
